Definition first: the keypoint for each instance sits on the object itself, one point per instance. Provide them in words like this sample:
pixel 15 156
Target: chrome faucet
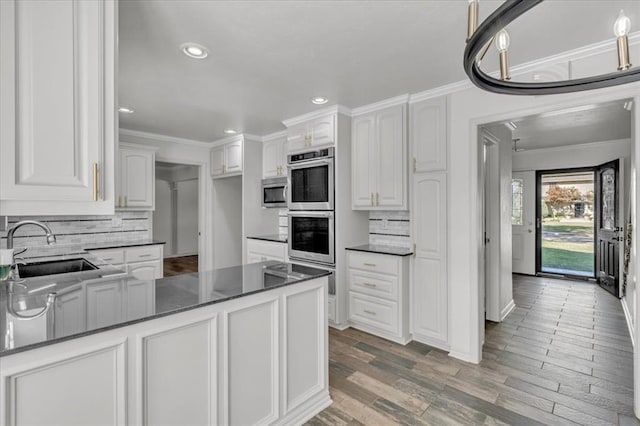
pixel 51 239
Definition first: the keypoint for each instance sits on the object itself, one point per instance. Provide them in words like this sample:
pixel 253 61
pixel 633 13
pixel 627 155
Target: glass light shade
pixel 502 40
pixel 622 26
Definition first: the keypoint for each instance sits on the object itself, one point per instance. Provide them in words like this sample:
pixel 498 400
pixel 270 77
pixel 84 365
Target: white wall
pixel 187 217
pixel 162 220
pixel 227 221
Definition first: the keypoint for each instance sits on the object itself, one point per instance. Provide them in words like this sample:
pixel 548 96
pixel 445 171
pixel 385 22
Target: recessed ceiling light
pixel 194 50
pixel 319 100
pixel 125 110
pixel 230 131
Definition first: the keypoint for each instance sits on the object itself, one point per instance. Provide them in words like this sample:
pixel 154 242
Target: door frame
pixel 538 207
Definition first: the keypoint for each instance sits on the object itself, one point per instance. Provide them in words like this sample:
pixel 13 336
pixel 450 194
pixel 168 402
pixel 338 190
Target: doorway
pixel 566 222
pixel 175 220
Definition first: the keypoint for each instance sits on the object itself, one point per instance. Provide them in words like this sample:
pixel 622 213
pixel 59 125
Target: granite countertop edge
pixel 276 238
pixel 392 251
pixel 36 345
pixel 120 244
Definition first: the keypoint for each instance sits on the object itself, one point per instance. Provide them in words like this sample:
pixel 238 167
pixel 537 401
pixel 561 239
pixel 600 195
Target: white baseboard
pixel 337 326
pixel 308 410
pixel 629 318
pixel 507 310
pixel 436 343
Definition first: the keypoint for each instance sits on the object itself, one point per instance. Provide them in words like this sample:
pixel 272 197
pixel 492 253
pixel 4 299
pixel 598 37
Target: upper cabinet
pixel 315 133
pixel 429 135
pixel 57 111
pixel 274 157
pixel 137 177
pixel 378 160
pixel 226 159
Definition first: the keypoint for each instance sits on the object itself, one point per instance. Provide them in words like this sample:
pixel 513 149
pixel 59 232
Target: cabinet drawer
pixel 373 311
pixel 137 254
pixel 267 249
pixel 373 284
pixel 113 257
pixel 331 308
pixel 374 262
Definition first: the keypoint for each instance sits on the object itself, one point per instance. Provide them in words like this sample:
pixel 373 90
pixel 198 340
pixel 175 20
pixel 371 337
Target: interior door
pixel 608 227
pixel 523 216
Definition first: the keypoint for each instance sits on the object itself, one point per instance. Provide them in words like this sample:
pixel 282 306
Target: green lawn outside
pixel 559 252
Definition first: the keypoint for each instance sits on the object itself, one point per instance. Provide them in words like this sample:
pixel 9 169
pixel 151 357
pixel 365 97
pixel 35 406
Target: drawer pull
pixel 370 285
pixel 369 312
pixel 107 259
pixel 373 265
pixel 145 255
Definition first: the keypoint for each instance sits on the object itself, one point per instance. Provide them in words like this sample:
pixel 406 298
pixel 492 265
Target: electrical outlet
pixel 116 221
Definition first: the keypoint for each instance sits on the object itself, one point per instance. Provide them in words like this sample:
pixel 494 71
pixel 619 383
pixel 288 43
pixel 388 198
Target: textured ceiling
pixel 268 58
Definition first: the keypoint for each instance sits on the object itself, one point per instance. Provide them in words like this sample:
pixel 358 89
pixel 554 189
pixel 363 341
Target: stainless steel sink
pixel 54 267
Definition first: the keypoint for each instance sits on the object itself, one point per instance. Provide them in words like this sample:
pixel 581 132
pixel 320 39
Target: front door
pixel 523 217
pixel 608 227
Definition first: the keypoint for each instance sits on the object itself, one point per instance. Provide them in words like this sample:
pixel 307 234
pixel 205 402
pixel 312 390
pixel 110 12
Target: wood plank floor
pixel 180 265
pixel 562 357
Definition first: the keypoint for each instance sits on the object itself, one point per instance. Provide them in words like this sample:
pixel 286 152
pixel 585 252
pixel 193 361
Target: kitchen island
pixel 241 345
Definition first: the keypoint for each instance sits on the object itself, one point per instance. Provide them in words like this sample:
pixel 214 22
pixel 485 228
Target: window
pixel 516 201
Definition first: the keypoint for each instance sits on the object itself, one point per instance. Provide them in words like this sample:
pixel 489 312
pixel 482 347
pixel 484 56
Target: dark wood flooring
pixel 180 265
pixel 562 357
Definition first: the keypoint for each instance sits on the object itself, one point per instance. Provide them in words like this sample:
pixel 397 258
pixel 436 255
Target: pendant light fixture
pixel 480 37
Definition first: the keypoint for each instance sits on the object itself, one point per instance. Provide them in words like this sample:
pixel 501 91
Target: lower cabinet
pixel 261 251
pixel 142 262
pixel 378 294
pixel 258 359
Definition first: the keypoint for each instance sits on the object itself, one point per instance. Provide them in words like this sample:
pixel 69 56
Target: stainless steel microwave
pixel 274 192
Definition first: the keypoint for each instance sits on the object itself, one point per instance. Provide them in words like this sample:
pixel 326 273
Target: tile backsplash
pixel 390 228
pixel 73 231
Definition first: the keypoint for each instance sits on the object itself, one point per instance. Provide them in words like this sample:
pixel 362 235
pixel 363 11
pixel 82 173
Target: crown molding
pixel 138 146
pixel 447 89
pixel 573 147
pixel 141 137
pixel 365 109
pixel 334 109
pixel 489 138
pixel 276 135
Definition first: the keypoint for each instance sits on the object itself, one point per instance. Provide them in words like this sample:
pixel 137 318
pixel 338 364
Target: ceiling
pixel 589 123
pixel 268 58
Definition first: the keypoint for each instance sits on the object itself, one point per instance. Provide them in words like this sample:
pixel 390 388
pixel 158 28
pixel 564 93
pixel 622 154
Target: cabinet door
pixel 297 138
pixel 323 132
pixel 272 152
pixel 137 178
pixel 69 312
pixel 429 135
pixel 363 161
pixel 55 121
pixel 391 174
pixel 429 287
pixel 141 298
pixel 146 270
pixel 104 304
pixel 217 161
pixel 233 157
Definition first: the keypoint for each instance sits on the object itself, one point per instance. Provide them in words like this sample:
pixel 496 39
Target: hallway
pixel 563 356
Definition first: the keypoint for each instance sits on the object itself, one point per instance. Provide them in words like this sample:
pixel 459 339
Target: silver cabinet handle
pixel 377 199
pixel 145 255
pixel 369 312
pixel 373 265
pixel 372 199
pixel 369 285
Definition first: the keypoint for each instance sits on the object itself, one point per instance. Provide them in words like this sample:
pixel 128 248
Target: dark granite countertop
pixel 171 295
pixel 374 248
pixel 120 244
pixel 276 238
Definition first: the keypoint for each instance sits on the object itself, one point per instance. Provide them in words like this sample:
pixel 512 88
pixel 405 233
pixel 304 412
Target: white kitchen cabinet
pixel 379 294
pixel 316 133
pixel 69 311
pixel 429 135
pixel 261 251
pixel 141 298
pixel 57 110
pixel 137 177
pixel 226 159
pixel 378 158
pixel 274 158
pixel 429 287
pixel 142 262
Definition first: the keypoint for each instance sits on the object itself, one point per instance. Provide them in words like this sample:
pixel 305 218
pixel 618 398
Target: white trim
pixel 161 138
pixel 507 310
pixel 490 137
pixel 436 92
pixel 139 146
pixel 629 318
pixel 580 145
pixel 334 109
pixel 376 106
pixel 340 327
pixel 227 139
pixel 276 135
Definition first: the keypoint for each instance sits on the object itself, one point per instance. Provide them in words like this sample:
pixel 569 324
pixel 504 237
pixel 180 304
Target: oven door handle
pixel 310 214
pixel 310 163
pixel 284 192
